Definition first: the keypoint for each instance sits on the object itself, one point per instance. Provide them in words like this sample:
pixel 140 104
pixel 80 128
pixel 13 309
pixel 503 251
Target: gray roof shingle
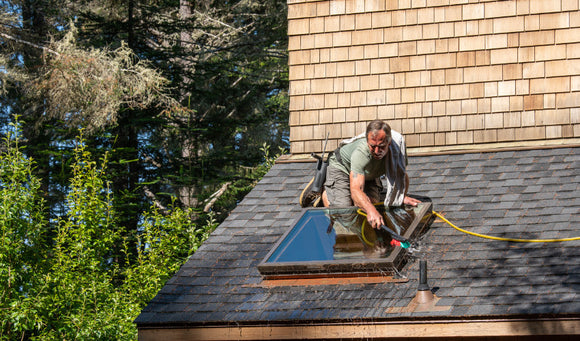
pixel 515 194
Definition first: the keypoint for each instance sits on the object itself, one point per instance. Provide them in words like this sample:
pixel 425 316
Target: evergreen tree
pixel 226 67
pixel 178 98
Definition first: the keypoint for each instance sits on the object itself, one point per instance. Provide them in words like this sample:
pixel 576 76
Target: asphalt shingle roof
pixel 514 194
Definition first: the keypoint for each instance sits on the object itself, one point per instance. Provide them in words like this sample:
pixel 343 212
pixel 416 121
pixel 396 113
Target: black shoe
pixel 308 198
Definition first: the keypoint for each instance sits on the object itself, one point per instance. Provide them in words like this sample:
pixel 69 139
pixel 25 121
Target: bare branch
pixel 153 199
pixel 214 197
pixel 43 48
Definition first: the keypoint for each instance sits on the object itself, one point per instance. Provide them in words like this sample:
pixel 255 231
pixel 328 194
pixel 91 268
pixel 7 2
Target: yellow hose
pixel 517 240
pixel 362 234
pixel 505 239
pixel 362 228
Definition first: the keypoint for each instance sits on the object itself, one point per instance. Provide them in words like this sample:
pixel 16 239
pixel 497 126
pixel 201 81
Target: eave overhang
pixel 521 328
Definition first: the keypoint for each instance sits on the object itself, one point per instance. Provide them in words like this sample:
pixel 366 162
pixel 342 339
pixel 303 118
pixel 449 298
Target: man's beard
pixel 380 154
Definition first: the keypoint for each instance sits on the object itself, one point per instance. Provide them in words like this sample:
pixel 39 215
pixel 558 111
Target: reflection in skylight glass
pixel 340 239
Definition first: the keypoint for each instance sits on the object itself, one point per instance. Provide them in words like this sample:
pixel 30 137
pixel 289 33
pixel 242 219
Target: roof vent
pixel 424 294
pixel 424 300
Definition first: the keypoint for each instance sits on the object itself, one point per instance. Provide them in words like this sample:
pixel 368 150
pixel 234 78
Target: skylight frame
pixel 343 267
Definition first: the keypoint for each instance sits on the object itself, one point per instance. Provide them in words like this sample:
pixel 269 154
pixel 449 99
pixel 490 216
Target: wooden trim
pixel 460 149
pixel 493 147
pixel 364 278
pixel 383 330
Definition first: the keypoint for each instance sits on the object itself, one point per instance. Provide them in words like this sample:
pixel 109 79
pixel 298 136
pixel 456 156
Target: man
pixel 354 171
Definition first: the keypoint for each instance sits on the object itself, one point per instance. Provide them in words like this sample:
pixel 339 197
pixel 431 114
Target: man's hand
pixel 375 219
pixel 410 201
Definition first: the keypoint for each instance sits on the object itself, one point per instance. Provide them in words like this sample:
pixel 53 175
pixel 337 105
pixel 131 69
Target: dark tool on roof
pixel 399 240
pixel 394 235
pixel 321 166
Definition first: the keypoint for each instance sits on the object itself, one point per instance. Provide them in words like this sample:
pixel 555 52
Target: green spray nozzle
pixel 404 245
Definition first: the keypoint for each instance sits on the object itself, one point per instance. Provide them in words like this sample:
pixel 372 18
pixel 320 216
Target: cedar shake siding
pixel 448 74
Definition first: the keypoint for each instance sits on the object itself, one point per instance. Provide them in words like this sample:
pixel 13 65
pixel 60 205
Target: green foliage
pixel 22 226
pixel 79 296
pixel 85 261
pixel 77 286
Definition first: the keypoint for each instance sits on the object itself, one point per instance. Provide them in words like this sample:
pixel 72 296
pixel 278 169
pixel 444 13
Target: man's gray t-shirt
pixel 356 156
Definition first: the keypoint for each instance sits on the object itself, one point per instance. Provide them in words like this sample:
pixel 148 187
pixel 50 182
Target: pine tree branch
pixel 43 48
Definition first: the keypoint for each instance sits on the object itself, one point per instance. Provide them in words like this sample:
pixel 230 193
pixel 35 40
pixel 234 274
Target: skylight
pixel 339 241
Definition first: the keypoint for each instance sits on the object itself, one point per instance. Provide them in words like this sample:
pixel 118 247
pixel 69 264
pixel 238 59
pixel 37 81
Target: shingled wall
pixel 445 73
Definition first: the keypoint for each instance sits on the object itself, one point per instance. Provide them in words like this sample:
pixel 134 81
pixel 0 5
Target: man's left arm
pixel 408 200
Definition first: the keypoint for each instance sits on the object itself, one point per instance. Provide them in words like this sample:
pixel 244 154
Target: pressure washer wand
pixel 398 239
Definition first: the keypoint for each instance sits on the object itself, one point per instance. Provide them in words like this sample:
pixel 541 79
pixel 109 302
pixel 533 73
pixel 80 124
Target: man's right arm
pixel 361 200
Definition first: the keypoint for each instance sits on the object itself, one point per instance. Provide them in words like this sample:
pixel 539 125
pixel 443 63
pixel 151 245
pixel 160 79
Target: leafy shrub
pixel 22 228
pixel 81 276
pixel 71 282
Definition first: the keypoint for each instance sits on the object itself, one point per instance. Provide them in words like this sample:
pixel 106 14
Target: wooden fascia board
pixel 418 329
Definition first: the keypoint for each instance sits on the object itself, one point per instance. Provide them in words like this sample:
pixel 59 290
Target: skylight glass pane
pixel 340 240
